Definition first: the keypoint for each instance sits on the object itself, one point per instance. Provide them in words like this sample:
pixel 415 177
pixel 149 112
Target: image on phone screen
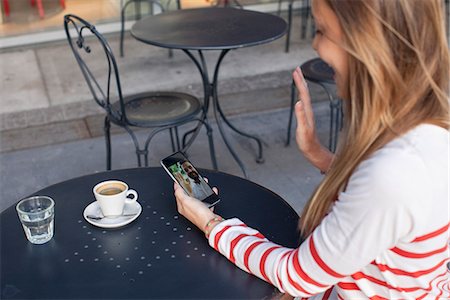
pixel 182 171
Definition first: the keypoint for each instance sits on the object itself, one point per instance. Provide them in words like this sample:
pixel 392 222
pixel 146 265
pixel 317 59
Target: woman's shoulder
pixel 424 138
pixel 409 175
pixel 425 146
pixel 410 169
pixel 414 163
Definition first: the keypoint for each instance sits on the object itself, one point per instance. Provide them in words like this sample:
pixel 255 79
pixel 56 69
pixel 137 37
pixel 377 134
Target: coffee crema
pixel 111 189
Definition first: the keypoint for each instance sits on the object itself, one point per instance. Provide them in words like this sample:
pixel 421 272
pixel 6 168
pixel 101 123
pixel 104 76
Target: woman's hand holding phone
pixel 188 186
pixel 181 170
pixel 193 209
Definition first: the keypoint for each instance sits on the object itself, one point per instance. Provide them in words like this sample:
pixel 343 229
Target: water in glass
pixel 37 217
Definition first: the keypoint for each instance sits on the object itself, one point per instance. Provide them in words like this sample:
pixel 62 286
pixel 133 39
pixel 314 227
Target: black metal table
pixel 159 255
pixel 214 28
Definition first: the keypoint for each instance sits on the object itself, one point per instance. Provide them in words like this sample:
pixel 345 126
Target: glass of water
pixel 36 214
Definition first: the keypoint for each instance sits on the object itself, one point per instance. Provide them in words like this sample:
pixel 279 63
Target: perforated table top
pixel 159 255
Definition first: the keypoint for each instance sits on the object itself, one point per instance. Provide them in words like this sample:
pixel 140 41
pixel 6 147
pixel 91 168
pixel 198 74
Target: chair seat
pixel 153 109
pixel 318 71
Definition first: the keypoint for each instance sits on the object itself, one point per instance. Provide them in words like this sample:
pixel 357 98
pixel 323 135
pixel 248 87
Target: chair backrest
pixel 92 51
pixel 317 70
pixel 137 7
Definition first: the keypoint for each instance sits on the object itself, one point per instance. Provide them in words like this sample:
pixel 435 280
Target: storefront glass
pixel 19 17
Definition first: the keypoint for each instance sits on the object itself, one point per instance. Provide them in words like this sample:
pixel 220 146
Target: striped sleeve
pixel 372 216
pixel 253 253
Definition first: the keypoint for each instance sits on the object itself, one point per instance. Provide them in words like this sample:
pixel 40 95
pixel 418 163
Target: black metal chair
pixel 157 110
pixel 306 16
pixel 318 72
pixel 138 15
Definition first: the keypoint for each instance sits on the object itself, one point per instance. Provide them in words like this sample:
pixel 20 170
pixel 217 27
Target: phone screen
pixel 182 171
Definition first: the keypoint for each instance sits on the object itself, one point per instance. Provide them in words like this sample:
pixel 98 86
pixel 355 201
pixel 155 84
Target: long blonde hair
pixel 398 78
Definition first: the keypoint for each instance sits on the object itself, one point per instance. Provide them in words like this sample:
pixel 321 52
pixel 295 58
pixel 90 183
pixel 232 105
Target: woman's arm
pixel 369 218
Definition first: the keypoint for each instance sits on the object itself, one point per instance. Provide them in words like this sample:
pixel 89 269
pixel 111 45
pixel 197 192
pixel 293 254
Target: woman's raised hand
pixel 306 136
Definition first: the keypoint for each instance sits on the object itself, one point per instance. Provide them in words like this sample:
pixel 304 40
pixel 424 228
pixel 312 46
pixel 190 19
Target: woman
pixel 378 225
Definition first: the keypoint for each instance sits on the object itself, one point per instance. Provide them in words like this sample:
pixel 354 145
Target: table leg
pixel 210 92
pixel 259 158
pixel 185 145
pixel 213 94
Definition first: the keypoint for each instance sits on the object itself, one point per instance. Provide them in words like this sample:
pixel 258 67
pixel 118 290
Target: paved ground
pixel 51 130
pixel 285 171
pixel 43 94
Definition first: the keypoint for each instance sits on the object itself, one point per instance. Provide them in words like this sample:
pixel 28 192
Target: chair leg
pixel 194 132
pixel 62 3
pixel 331 139
pixel 175 140
pixel 137 10
pixel 335 123
pixel 106 129
pixel 313 24
pixel 305 17
pixel 339 122
pixel 288 34
pixel 336 116
pixel 122 30
pixel 291 113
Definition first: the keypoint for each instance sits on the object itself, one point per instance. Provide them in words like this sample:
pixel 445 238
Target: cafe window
pixel 22 17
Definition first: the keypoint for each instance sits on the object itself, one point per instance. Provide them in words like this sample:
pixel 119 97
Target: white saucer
pixel 93 209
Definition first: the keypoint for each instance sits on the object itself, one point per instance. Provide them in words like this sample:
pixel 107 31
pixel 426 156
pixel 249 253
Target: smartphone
pixel 186 175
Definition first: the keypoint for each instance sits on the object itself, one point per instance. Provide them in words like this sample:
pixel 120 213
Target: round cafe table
pixel 212 28
pixel 159 255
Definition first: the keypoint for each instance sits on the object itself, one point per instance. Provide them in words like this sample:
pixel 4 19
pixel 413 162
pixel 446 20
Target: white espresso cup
pixel 112 195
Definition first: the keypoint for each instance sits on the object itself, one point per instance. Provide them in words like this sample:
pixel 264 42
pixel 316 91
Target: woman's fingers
pixel 300 114
pixel 193 209
pixel 177 188
pixel 303 94
pixel 214 188
pixel 305 133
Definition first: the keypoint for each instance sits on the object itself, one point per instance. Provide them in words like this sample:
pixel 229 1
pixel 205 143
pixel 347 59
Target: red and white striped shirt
pixel 387 236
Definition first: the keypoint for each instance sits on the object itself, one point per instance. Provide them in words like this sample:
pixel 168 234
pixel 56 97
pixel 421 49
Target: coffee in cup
pixel 111 189
pixel 112 195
